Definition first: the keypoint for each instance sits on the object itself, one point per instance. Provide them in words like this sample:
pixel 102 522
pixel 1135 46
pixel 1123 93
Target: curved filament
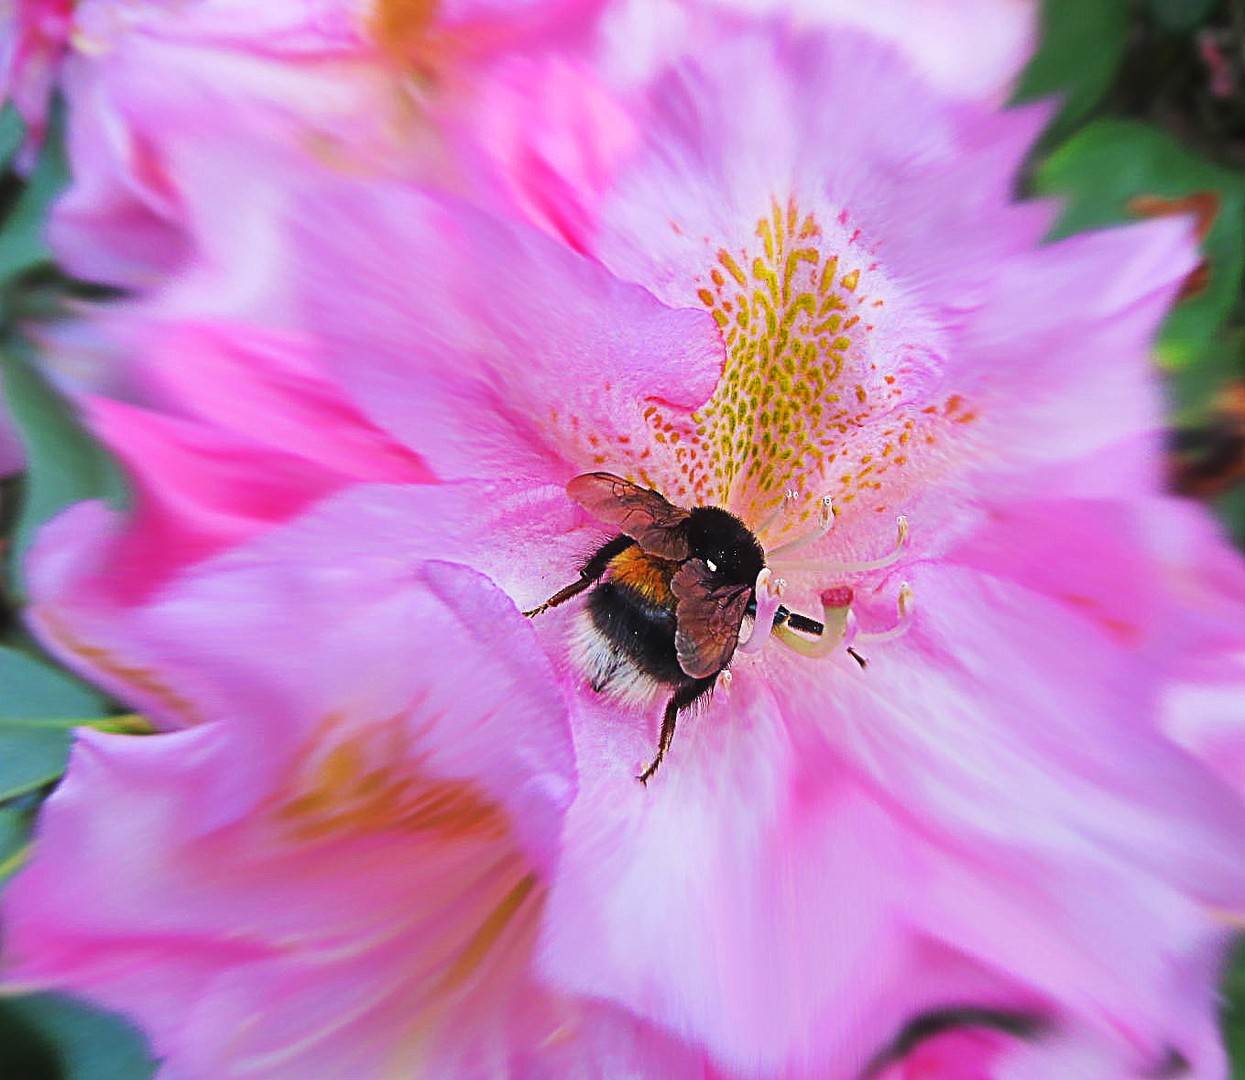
pixel 828 566
pixel 905 605
pixel 825 522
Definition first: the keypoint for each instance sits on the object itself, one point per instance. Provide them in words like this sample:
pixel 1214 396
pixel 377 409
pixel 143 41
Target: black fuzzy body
pixel 638 628
pixel 634 619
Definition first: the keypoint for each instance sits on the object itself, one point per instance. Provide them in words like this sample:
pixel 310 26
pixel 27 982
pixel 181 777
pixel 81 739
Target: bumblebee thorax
pixel 725 543
pixel 648 575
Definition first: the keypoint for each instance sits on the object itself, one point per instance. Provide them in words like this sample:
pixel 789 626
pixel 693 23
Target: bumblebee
pixel 669 596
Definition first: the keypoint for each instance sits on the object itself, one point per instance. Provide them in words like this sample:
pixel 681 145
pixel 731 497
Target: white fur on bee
pixel 606 669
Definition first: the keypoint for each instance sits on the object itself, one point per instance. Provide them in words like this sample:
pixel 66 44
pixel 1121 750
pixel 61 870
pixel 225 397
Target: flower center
pixel 831 405
pixel 365 783
pixel 789 313
pixel 823 394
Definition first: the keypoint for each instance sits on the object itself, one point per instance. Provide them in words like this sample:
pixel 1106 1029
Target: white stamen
pixel 905 605
pixel 825 522
pixel 769 598
pixel 712 566
pixel 830 567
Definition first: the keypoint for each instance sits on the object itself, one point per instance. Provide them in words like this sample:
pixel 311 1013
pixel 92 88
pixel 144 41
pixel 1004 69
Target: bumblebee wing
pixel 656 525
pixel 707 619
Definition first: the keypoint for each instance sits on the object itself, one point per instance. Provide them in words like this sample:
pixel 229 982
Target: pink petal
pixel 487 348
pixel 273 388
pixel 689 900
pixel 1040 384
pixel 215 858
pixel 965 49
pixel 197 490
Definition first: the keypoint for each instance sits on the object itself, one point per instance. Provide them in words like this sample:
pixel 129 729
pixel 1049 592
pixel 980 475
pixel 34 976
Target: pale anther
pixel 789 498
pixel 825 522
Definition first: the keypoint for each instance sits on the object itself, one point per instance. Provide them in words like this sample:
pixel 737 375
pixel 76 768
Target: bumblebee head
pixel 726 545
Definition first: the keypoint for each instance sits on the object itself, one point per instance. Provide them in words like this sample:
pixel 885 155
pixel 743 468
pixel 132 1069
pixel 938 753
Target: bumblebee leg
pixel 589 574
pixel 685 696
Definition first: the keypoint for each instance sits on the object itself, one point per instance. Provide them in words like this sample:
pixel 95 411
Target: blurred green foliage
pixel 1081 47
pixel 1232 1011
pixel 39 707
pixel 23 243
pixel 1114 171
pixel 1181 15
pixel 64 464
pixel 50 1037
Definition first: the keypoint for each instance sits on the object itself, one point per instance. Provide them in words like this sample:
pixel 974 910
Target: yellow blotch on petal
pixel 410 34
pixel 370 781
pixel 785 352
pixel 488 934
pixel 397 25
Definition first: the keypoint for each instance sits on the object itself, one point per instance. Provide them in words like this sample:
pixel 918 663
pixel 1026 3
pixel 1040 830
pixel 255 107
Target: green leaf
pixel 1181 16
pixel 12 134
pixel 31 756
pixel 38 708
pixel 1230 510
pixel 49 1037
pixel 26 1053
pixel 31 691
pixel 65 465
pixel 1192 389
pixel 1103 172
pixel 14 840
pixel 1082 44
pixel 1232 1011
pixel 22 239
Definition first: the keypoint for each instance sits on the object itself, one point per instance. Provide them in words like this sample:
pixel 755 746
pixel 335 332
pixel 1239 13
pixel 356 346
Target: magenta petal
pixel 270 434
pixel 554 137
pixel 197 489
pixel 271 387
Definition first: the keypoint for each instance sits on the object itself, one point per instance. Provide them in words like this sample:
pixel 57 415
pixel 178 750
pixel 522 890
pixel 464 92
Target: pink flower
pixel 187 121
pixel 339 869
pixel 33 35
pixel 811 280
pixel 896 340
pixel 972 49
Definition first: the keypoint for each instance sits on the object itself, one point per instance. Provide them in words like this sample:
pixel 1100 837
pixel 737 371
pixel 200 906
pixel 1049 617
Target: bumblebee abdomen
pixel 637 628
